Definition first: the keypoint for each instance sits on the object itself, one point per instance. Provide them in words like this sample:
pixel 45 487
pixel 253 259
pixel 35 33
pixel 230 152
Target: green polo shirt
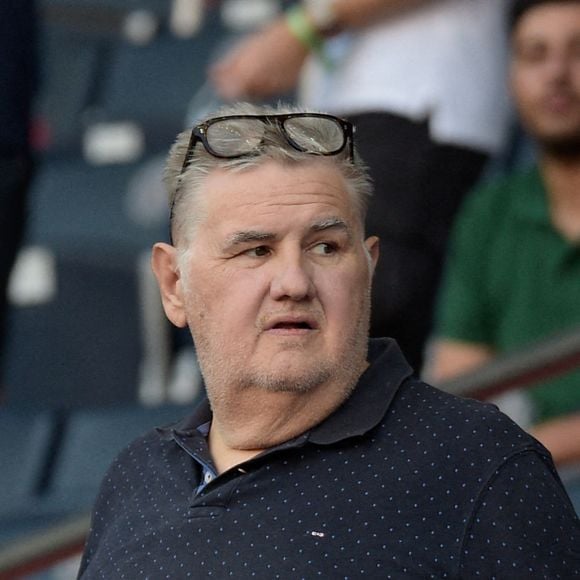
pixel 512 279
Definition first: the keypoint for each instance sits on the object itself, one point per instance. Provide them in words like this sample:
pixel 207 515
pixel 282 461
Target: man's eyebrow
pixel 331 223
pixel 244 237
pixel 250 236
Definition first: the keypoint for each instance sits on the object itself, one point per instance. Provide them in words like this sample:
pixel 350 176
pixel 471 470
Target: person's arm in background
pixel 451 358
pixel 561 436
pixel 269 62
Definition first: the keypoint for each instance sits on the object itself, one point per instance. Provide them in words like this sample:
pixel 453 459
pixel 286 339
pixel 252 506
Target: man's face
pixel 545 73
pixel 276 280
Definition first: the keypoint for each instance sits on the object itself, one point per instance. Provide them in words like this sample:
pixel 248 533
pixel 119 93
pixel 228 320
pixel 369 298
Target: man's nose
pixel 558 67
pixel 292 279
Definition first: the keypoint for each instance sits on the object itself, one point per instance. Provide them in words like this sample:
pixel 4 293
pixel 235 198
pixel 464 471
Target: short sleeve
pixel 524 525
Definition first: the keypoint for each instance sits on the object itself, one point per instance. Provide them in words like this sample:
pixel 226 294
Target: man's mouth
pixel 290 324
pixel 559 102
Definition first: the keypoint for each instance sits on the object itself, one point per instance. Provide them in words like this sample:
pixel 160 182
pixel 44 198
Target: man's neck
pixel 562 178
pixel 257 420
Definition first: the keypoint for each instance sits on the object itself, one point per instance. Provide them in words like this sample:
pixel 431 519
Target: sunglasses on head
pixel 235 136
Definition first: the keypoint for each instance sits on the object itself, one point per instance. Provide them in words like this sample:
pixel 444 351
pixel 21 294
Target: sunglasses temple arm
pixel 186 162
pixel 187 158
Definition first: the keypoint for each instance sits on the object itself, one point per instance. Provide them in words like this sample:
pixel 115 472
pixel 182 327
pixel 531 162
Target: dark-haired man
pixel 514 271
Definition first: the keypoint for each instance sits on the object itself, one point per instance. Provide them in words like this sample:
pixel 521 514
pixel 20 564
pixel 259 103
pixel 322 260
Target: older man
pixel 316 454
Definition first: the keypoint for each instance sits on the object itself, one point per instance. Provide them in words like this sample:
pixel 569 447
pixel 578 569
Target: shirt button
pixel 208 477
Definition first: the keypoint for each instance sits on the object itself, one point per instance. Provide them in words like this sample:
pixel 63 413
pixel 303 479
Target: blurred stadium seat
pixel 71 385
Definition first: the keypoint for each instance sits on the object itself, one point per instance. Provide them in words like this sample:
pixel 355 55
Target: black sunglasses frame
pixel 199 133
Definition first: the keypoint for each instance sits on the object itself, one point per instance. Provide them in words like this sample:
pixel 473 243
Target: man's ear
pixel 372 247
pixel 165 268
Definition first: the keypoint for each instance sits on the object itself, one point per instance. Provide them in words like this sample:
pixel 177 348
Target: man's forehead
pixel 542 19
pixel 272 177
pixel 272 187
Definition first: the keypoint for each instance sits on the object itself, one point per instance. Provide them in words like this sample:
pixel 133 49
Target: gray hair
pixel 182 188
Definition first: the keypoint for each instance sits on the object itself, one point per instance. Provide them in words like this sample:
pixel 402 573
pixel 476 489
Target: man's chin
pixel 280 343
pixel 291 378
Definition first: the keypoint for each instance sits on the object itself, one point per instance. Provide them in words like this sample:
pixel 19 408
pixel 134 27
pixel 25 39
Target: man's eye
pixel 531 54
pixel 258 252
pixel 324 249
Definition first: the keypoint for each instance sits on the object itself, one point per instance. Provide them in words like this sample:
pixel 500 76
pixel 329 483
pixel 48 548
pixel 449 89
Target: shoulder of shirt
pixel 147 444
pixel 463 422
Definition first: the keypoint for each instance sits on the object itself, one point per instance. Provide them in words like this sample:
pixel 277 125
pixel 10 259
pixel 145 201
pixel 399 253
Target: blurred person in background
pixel 423 82
pixel 18 79
pixel 514 267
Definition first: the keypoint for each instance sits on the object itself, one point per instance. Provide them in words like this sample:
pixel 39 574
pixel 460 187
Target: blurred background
pixel 88 359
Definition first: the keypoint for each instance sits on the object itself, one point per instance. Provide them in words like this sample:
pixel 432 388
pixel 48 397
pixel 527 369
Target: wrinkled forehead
pixel 236 189
pixel 274 186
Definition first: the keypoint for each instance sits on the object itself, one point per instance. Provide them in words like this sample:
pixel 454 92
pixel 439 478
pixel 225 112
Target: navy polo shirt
pixel 402 481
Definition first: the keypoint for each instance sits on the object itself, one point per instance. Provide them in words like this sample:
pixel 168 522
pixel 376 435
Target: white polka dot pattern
pixel 431 486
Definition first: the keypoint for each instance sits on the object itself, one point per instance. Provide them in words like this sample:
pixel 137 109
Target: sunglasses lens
pixel 316 134
pixel 234 137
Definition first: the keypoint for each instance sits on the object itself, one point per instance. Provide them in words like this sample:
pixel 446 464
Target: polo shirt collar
pixel 360 413
pixel 371 398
